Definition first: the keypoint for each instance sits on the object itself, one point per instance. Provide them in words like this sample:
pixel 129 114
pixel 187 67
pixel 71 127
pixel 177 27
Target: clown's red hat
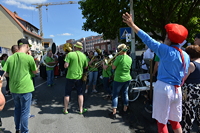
pixel 176 33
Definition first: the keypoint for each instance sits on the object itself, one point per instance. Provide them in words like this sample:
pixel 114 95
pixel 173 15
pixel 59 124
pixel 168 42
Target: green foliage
pixel 140 46
pixel 105 16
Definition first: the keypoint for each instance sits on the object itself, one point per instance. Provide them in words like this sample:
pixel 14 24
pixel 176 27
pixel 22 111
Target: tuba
pixel 53 48
pixel 67 47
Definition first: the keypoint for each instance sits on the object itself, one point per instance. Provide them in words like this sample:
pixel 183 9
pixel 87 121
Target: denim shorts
pixel 73 83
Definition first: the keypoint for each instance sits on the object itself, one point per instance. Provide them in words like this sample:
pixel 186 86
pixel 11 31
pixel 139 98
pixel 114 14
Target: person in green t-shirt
pixel 18 67
pixel 93 72
pixel 50 68
pixel 3 59
pixel 155 68
pixel 107 73
pixel 122 77
pixel 76 62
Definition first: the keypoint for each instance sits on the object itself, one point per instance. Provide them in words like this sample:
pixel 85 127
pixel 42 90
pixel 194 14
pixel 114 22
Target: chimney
pixel 15 13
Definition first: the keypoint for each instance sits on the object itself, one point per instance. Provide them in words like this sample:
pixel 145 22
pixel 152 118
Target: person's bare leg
pixel 114 110
pixel 66 102
pixel 125 108
pixel 179 130
pixel 80 102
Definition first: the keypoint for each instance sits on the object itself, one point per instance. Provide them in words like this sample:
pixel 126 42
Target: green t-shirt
pixel 123 65
pixel 47 60
pixel 157 59
pixel 18 66
pixel 31 73
pixel 91 67
pixel 76 66
pixel 107 72
pixel 3 63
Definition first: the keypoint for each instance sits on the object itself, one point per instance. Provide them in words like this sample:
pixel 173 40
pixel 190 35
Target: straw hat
pixel 122 46
pixel 79 45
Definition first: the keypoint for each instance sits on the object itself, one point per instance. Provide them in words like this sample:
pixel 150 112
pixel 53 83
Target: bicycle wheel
pixel 133 94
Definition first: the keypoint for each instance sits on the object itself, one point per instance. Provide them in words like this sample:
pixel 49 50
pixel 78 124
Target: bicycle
pixel 137 85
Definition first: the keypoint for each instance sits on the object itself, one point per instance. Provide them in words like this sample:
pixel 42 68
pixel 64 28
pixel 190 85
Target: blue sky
pixel 60 22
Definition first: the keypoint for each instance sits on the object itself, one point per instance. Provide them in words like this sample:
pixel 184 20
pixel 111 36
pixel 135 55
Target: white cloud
pixel 51 35
pixel 65 34
pixel 19 5
pixel 28 1
pixel 32 1
pixel 24 4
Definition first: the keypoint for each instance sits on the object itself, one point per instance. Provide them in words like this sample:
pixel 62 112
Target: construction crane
pixel 39 6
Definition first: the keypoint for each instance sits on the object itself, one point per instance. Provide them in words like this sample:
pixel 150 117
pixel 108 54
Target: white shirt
pixel 148 54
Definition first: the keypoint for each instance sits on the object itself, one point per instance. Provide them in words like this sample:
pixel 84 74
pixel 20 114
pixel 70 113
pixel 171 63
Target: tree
pixel 105 16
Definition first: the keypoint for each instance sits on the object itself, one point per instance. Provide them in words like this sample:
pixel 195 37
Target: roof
pixel 16 17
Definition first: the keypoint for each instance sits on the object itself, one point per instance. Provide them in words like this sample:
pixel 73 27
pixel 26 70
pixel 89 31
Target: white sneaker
pixel 86 90
pixel 94 91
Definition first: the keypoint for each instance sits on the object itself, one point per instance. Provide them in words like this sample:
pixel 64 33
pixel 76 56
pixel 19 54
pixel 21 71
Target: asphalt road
pixel 49 118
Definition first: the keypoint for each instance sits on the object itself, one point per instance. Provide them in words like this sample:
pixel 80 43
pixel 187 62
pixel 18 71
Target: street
pixel 50 119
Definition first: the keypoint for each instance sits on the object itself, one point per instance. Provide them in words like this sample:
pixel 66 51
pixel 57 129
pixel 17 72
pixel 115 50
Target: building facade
pixel 92 42
pixel 14 27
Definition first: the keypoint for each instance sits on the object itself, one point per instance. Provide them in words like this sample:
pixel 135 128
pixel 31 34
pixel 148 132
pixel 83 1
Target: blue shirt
pixel 170 68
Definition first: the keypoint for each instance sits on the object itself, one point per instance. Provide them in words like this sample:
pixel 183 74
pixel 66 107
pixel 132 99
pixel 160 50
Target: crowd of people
pixel 176 93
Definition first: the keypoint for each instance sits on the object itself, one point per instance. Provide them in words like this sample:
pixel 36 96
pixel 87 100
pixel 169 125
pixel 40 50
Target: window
pixel 37 42
pixel 46 45
pixel 102 47
pixel 32 40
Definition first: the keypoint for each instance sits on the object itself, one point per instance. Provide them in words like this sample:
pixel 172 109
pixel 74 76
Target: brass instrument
pixel 36 52
pixel 110 61
pixel 105 60
pixel 99 53
pixel 67 47
pixel 99 63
